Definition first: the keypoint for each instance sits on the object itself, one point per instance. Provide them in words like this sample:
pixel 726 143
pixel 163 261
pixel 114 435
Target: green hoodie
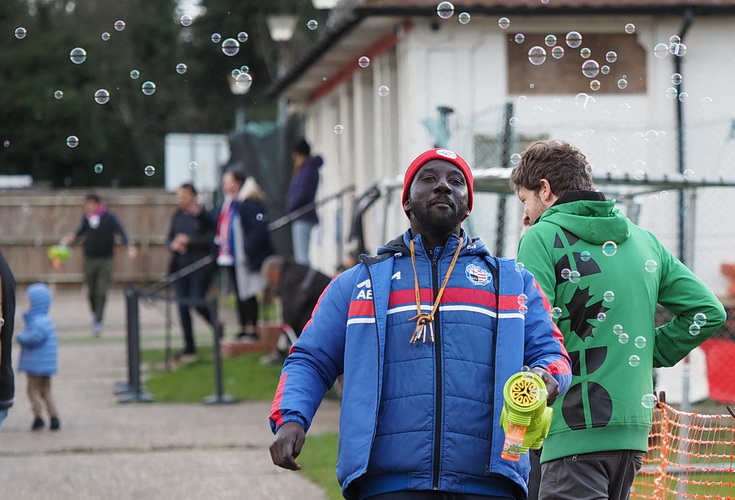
pixel 603 276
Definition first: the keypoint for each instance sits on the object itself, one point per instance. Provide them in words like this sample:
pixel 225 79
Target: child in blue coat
pixel 38 354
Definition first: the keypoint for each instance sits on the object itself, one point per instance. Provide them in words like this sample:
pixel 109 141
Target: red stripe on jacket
pixel 276 415
pixel 557 367
pixel 361 308
pixel 455 296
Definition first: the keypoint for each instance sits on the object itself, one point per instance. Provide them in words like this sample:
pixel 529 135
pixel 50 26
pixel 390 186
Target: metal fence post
pixel 219 397
pixel 134 391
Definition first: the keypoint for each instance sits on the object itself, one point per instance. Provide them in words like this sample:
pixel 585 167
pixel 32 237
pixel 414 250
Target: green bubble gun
pixel 525 417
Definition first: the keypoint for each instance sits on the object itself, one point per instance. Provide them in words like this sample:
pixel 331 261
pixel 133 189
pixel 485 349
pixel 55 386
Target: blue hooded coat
pixel 38 339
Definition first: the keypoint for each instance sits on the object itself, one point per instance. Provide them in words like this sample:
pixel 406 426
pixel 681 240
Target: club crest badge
pixel 477 275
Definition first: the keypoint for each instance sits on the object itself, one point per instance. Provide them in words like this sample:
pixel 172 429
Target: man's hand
pixel 552 387
pixel 287 445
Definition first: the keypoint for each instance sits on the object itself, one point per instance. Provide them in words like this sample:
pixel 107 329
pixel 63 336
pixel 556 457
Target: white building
pixel 498 65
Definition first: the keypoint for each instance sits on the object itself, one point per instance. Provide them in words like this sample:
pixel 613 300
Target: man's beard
pixel 440 224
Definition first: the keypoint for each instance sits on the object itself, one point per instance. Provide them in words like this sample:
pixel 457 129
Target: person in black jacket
pixel 190 238
pixel 7 302
pixel 97 231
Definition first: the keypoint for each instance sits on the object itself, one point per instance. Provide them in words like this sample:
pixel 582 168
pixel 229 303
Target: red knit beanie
pixel 438 154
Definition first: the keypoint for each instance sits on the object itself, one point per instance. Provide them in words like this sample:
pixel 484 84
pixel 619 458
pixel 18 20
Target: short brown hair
pixel 560 163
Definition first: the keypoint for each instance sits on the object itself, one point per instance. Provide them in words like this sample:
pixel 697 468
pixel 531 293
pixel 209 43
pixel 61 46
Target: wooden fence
pixel 33 220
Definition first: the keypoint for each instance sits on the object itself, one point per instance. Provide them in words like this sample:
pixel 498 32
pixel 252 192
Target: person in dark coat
pixel 302 192
pixel 190 238
pixel 7 302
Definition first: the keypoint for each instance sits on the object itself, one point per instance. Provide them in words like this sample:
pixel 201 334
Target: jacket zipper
pixel 438 361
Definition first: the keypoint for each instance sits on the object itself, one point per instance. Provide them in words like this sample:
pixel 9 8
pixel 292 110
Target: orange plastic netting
pixel 690 455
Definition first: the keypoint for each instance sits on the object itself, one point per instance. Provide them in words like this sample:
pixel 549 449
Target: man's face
pixel 90 206
pixel 439 197
pixel 533 206
pixel 230 186
pixel 184 197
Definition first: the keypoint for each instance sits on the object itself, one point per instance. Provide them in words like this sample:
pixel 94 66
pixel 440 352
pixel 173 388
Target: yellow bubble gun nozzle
pixel 58 254
pixel 525 417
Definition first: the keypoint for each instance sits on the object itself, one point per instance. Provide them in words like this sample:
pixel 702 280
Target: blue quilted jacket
pixel 38 339
pixel 425 415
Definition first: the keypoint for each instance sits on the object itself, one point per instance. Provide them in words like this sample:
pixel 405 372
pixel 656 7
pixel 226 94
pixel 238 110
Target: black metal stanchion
pixel 135 392
pixel 219 397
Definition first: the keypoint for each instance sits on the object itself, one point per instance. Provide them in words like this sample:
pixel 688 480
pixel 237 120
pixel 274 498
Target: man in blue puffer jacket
pixel 426 334
pixel 38 355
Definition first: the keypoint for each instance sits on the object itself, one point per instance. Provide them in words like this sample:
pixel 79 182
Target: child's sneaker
pixel 55 424
pixel 38 424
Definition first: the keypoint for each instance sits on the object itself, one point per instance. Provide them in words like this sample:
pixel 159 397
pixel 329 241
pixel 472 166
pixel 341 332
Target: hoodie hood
pixel 40 298
pixel 472 246
pixel 592 221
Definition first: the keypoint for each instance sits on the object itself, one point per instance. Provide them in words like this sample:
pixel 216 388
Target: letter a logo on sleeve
pixel 477 275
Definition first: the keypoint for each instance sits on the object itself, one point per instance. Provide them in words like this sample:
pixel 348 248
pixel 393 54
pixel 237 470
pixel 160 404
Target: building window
pixel 565 75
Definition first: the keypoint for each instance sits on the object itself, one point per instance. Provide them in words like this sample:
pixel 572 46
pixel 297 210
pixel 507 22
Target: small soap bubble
pixel 585 52
pixel 634 360
pixel 464 17
pixel 595 85
pixel 678 49
pixel 58 94
pixel 604 69
pixel 611 56
pixel 193 165
pixel 20 32
pixel 582 100
pixel 230 47
pixel 675 39
pixel 608 296
pixel 536 55
pixel 557 52
pixel 573 39
pixel 515 159
pixel 312 24
pixel 363 61
pixel 216 38
pixel 694 329
pixel 445 10
pixel 601 317
pixel 639 174
pixel 609 248
pixel 78 55
pixel 383 90
pixel 105 36
pixel 700 319
pixel 622 84
pixel 649 401
pixel 101 96
pixel 134 74
pixel 245 68
pixel 242 37
pixel 651 136
pixel 149 170
pixel 706 101
pixel 676 79
pixel 671 93
pixel 503 23
pixel 6 143
pixel 181 68
pixel 186 20
pixel 590 68
pixel 623 338
pixel 661 50
pixel 339 129
pixel 683 96
pixel 650 266
pixel 519 266
pixel 244 80
pixel 72 141
pixel 618 329
pixel 119 25
pixel 520 38
pixel 522 298
pixel 98 168
pixel 574 277
pixel 688 173
pixel 584 255
pixel 588 168
pixel 566 273
pixel 513 121
pixel 640 342
pixel 556 312
pixel 523 309
pixel 148 88
pixel 630 28
pixel 550 40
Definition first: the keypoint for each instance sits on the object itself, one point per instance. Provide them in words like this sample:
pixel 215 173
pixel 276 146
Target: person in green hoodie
pixel 603 277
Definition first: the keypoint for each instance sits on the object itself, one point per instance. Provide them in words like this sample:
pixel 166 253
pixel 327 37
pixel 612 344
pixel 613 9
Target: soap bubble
pixel 671 93
pixel 244 80
pixel 98 168
pixel 383 90
pixel 230 47
pixel 651 136
pixel 683 96
pixel 134 74
pixel 630 28
pixel 363 61
pixel 520 38
pixel 650 266
pixel 618 329
pixel 590 68
pixel 339 129
pixel 608 296
pixel 611 56
pixel 105 36
pixel 601 317
pixel 694 329
pixel 550 40
pixel 556 312
pixel 149 170
pixel 676 79
pixel 78 55
pixel 573 39
pixel 565 273
pixel 623 338
pixel 700 319
pixel 445 10
pixel 557 52
pixel 503 23
pixel 119 25
pixel 148 88
pixel 537 55
pixel 661 50
pixel 595 85
pixel 72 141
pixel 102 96
pixel 588 168
pixel 522 298
pixel 181 68
pixel 216 38
pixel 622 84
pixel 242 37
pixel 640 342
pixel 523 309
pixel 649 401
pixel 574 277
pixel 186 20
pixel 515 159
pixel 20 32
pixel 584 255
pixel 312 24
pixel 59 94
pixel 609 248
pixel 464 17
pixel 519 266
pixel 678 49
pixel 634 360
pixel 193 165
pixel 585 52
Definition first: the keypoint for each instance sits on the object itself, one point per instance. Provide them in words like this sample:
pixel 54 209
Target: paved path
pixel 141 450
